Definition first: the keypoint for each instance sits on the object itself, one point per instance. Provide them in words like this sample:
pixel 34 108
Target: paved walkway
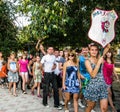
pixel 28 103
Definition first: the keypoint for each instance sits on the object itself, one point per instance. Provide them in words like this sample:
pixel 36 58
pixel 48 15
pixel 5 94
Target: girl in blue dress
pixel 12 73
pixel 71 79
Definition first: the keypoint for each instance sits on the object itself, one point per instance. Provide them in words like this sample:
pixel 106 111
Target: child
pixel 23 65
pixel 37 75
pixel 3 72
pixel 12 73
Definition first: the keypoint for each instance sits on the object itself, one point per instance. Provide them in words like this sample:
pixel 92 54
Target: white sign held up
pixel 102 26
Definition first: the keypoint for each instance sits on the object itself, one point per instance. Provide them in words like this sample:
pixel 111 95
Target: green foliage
pixel 57 23
pixel 48 20
pixel 63 24
pixel 8 30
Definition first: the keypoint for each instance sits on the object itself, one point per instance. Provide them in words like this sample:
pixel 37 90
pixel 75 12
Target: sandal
pixel 32 92
pixel 10 93
pixel 39 96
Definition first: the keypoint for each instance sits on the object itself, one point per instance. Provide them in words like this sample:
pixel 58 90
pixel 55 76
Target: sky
pixel 21 20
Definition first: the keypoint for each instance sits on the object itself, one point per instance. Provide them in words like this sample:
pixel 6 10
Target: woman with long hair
pixel 109 72
pixel 70 83
pixel 96 89
pixel 23 69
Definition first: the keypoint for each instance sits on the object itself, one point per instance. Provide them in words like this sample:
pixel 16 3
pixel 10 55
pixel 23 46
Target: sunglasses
pixel 72 55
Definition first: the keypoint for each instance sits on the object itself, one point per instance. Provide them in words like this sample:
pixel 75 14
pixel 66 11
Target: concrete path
pixel 28 103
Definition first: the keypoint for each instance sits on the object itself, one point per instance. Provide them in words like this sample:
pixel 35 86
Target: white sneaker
pixel 47 106
pixel 58 107
pixel 62 103
pixel 93 110
pixel 81 105
pixel 69 103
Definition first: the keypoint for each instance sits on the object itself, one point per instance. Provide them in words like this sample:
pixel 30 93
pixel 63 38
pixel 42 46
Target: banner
pixel 102 26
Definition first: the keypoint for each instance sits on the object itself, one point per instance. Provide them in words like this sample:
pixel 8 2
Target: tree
pixel 8 30
pixel 64 22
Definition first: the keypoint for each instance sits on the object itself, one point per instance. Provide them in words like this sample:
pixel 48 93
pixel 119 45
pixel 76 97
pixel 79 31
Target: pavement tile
pixel 30 103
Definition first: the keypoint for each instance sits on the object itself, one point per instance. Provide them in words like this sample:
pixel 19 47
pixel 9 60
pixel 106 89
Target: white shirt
pixel 13 65
pixel 48 61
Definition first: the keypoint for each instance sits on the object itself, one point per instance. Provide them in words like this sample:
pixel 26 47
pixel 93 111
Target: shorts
pixel 23 73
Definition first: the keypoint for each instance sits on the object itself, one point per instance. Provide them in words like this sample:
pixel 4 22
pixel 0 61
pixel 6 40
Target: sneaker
pixel 58 107
pixel 62 103
pixel 69 103
pixel 81 105
pixel 24 92
pixel 93 110
pixel 46 105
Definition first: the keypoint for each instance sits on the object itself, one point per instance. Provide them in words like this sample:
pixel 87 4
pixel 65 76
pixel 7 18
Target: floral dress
pixel 97 88
pixel 71 81
pixel 12 77
pixel 37 72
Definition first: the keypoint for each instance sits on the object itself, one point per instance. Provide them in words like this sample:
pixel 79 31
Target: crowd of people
pixel 84 76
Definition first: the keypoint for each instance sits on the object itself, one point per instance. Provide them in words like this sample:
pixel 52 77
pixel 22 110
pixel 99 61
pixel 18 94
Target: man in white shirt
pixel 49 66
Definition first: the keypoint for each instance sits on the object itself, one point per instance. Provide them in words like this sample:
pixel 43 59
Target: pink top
pixel 23 65
pixel 108 72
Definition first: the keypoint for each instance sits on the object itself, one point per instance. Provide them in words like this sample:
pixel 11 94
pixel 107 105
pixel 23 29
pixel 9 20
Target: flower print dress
pixel 97 88
pixel 13 77
pixel 38 73
pixel 71 81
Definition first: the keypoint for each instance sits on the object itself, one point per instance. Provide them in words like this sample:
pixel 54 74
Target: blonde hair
pixel 12 53
pixel 75 60
pixel 23 55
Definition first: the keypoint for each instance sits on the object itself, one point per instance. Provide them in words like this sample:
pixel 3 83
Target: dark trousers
pixel 50 78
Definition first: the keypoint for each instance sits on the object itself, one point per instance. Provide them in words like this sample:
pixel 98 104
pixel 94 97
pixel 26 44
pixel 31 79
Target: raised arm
pixel 93 72
pixel 42 49
pixel 37 45
pixel 106 49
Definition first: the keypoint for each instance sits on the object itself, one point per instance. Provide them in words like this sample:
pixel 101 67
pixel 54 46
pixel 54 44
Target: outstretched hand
pixel 39 40
pixel 106 49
